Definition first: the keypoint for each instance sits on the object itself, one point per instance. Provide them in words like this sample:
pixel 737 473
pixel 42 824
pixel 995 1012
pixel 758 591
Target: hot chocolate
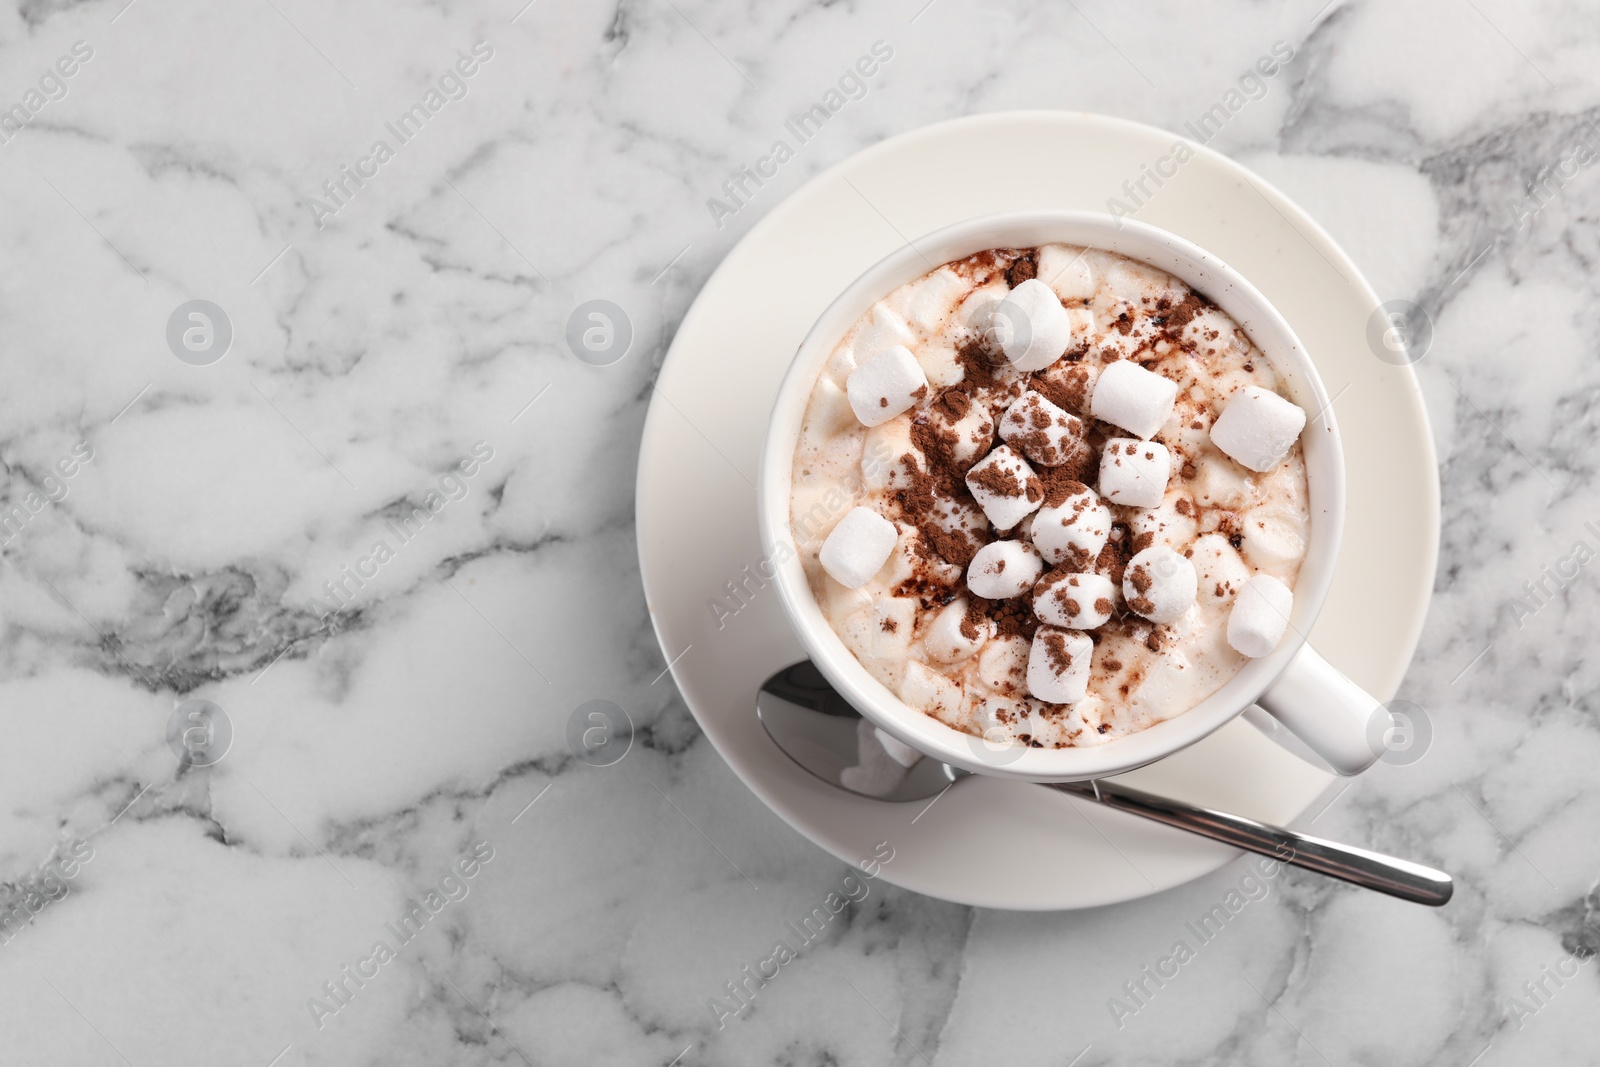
pixel 1050 494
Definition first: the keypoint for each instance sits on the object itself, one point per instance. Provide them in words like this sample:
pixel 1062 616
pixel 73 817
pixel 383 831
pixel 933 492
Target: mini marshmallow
pixel 1134 472
pixel 1074 532
pixel 884 454
pixel 1074 384
pixel 926 689
pixel 1075 601
pixel 1138 400
pixel 1260 615
pixel 1273 536
pixel 858 547
pixel 1005 487
pixel 883 331
pixel 1257 428
pixel 1159 584
pixel 1043 432
pixel 1066 270
pixel 885 385
pixel 970 433
pixel 947 640
pixel 1058 665
pixel 1003 569
pixel 1034 328
pixel 1221 572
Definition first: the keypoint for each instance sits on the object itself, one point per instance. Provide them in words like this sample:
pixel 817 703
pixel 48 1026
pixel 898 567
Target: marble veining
pixel 166 912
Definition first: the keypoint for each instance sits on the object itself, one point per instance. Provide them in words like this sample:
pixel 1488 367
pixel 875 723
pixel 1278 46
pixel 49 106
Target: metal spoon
pixel 817 728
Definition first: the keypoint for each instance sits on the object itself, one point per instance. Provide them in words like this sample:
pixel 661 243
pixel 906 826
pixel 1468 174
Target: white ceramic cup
pixel 1332 716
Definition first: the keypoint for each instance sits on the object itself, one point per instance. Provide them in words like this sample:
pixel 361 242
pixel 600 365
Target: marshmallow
pixel 829 412
pixel 898 750
pixel 970 433
pixel 1159 584
pixel 927 303
pixel 885 385
pixel 1074 532
pixel 1006 488
pixel 1138 400
pixel 1220 570
pixel 947 640
pixel 1043 432
pixel 1260 615
pixel 1134 472
pixel 858 547
pixel 1003 666
pixel 927 690
pixel 1058 665
pixel 1257 428
pixel 1033 327
pixel 883 330
pixel 1273 537
pixel 1003 569
pixel 1172 522
pixel 1066 271
pixel 1074 383
pixel 883 456
pixel 1075 601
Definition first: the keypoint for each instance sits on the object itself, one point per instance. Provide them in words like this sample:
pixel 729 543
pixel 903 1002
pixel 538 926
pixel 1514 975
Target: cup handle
pixel 1334 717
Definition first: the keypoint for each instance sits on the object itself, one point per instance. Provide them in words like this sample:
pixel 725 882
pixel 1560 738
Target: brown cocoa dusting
pixel 1177 318
pixel 955 403
pixel 1025 268
pixel 1012 617
pixel 975 615
pixel 1114 556
pixel 1140 579
pixel 1056 654
pixel 978 363
pixel 998 481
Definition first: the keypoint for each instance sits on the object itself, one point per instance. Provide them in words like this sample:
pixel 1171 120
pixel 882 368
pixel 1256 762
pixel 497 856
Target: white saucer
pixel 988 842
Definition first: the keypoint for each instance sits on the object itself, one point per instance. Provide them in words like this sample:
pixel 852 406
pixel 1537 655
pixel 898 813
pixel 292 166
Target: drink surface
pixel 993 429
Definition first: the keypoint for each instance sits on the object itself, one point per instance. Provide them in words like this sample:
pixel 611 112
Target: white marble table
pixel 409 735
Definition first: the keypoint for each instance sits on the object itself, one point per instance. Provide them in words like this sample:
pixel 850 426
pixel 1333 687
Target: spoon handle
pixel 1373 870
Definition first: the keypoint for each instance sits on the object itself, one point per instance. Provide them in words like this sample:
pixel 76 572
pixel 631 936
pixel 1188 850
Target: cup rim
pixel 1199 269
